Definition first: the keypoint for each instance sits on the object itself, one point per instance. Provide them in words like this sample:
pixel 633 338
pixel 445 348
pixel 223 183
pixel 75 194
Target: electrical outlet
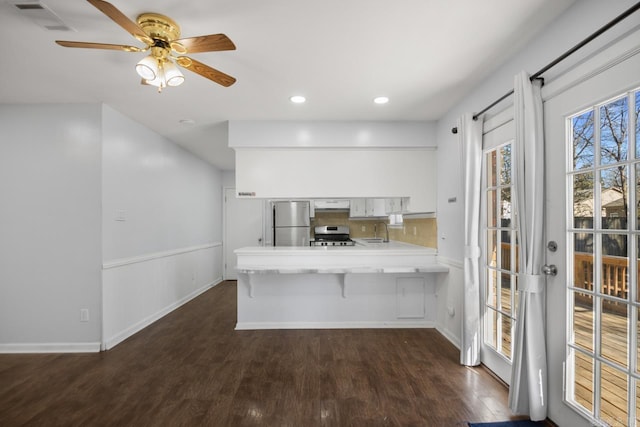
pixel 84 314
pixel 415 231
pixel 363 228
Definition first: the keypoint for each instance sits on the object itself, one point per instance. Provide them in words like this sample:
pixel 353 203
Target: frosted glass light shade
pixel 172 74
pixel 147 68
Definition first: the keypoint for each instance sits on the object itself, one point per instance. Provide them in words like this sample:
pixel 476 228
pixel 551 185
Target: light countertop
pixel 364 257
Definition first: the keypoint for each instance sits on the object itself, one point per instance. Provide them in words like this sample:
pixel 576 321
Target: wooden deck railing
pixel 614 280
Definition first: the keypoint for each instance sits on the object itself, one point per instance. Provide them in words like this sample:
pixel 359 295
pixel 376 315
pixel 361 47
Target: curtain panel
pixel 471 140
pixel 528 390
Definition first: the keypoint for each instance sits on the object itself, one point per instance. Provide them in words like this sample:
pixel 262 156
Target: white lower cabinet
pixel 410 297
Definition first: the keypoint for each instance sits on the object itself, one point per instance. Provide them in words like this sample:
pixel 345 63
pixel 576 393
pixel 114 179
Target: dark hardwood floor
pixel 192 368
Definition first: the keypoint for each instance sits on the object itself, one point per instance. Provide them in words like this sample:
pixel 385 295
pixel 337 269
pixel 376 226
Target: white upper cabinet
pixel 376 207
pixel 358 208
pixel 393 205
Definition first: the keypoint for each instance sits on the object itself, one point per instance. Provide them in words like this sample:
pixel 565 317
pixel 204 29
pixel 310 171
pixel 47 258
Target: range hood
pixel 331 204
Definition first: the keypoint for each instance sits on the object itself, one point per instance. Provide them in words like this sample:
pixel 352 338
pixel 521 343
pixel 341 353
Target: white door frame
pixel 256 240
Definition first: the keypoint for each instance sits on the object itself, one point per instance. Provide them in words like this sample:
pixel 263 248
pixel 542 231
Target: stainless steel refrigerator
pixel 291 224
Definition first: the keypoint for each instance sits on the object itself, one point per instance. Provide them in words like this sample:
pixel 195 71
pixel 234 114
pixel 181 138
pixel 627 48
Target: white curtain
pixel 471 136
pixel 528 390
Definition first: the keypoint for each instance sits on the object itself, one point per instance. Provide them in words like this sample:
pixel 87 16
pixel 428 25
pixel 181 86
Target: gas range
pixel 332 235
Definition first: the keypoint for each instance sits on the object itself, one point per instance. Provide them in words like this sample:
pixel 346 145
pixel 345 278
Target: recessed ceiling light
pixel 297 99
pixel 187 122
pixel 381 100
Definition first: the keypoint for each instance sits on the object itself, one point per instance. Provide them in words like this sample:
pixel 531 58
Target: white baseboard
pixel 82 347
pixel 449 336
pixel 333 325
pixel 111 342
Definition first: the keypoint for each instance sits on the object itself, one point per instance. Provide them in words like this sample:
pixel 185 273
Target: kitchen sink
pixel 373 239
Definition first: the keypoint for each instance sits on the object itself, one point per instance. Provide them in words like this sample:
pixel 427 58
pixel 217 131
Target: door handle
pixel 549 270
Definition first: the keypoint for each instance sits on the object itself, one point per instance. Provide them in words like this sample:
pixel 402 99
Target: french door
pixel 500 242
pixel 592 174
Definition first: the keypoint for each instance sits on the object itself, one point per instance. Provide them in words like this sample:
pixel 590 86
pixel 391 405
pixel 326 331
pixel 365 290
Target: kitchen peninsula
pixel 369 285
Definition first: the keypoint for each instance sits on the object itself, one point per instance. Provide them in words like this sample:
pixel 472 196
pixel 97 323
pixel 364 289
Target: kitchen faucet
pixel 386 228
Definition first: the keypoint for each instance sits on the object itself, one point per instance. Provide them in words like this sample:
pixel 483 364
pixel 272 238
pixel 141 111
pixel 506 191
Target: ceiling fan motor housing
pixel 159 26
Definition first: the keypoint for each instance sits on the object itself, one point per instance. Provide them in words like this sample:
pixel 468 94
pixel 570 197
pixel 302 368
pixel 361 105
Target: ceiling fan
pixel 161 34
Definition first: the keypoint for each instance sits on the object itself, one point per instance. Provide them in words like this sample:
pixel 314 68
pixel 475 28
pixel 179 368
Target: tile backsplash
pixel 418 231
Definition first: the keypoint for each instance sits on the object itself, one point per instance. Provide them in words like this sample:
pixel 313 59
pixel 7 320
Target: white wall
pixel 162 226
pixel 90 197
pixel 50 243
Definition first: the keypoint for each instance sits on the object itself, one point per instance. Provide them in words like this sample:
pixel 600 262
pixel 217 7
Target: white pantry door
pixel 592 177
pixel 243 226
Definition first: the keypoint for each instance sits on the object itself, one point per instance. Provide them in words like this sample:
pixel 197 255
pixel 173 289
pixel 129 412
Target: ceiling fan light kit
pixel 161 34
pixel 147 68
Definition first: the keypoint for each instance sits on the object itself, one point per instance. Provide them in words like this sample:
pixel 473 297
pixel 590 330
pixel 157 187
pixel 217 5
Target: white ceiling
pixel 423 54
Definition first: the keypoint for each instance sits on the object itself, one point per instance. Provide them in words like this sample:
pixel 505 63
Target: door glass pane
pixel 492 288
pixel 583 261
pixel 637 96
pixel 637 180
pixel 638 350
pixel 505 207
pixel 492 208
pixel 583 138
pixel 505 164
pixel 583 380
pixel 506 336
pixel 638 275
pixel 491 327
pixel 615 265
pixel 492 248
pixel 613 396
pixel 516 297
pixel 515 264
pixel 492 168
pixel 505 250
pixel 614 197
pixel 505 292
pixel 583 200
pixel 613 131
pixel 637 403
pixel 613 332
pixel 583 321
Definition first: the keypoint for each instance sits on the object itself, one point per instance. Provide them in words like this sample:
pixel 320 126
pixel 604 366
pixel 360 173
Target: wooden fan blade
pixel 121 19
pixel 206 71
pixel 90 45
pixel 210 43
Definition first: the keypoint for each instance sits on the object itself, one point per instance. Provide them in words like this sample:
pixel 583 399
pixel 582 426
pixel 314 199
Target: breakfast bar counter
pixel 369 285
